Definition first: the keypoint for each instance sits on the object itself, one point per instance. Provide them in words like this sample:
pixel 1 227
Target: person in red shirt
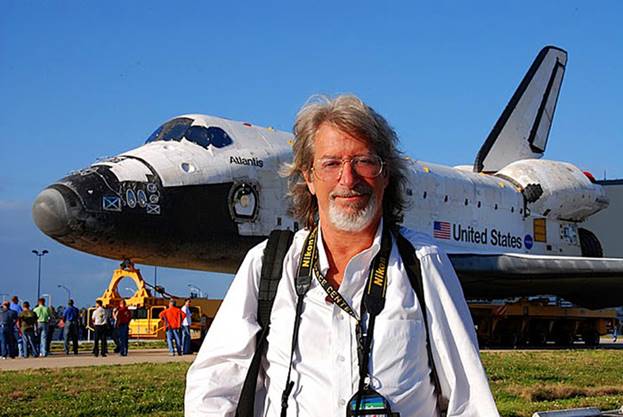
pixel 122 316
pixel 173 318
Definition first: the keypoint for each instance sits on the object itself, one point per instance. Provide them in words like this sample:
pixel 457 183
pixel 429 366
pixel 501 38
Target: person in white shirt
pixel 100 324
pixel 186 349
pixel 346 184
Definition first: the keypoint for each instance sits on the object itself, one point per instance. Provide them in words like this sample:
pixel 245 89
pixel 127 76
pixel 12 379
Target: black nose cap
pixel 50 214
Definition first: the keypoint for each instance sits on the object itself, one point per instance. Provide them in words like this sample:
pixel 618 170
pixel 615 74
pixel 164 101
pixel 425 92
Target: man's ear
pixel 386 179
pixel 309 179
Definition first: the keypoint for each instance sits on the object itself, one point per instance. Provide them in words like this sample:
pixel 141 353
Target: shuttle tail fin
pixel 522 130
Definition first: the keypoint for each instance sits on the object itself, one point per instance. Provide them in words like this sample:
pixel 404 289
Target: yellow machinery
pixel 146 308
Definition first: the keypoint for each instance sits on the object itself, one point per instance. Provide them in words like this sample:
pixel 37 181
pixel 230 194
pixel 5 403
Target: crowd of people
pixel 27 331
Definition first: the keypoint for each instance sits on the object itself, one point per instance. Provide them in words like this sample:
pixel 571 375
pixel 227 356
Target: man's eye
pixel 365 161
pixel 329 164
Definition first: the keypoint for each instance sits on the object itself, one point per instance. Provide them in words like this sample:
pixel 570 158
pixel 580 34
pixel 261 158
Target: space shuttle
pixel 203 190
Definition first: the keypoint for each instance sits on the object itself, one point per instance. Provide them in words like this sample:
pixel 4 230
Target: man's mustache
pixel 359 189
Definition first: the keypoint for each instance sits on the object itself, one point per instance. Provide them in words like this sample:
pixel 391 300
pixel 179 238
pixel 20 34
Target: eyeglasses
pixel 330 169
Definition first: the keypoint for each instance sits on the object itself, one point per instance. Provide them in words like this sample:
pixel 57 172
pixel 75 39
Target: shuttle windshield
pixel 180 128
pixel 172 130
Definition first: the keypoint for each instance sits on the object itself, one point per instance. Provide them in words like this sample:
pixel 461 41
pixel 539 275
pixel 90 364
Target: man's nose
pixel 348 175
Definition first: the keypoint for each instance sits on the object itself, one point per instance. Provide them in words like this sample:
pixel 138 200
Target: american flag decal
pixel 441 230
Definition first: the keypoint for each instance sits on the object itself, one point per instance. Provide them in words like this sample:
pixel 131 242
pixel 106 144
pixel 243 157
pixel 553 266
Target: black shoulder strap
pixel 414 271
pixel 278 244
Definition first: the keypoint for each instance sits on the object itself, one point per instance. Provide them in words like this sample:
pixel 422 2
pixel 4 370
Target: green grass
pixel 522 383
pixel 129 390
pixel 525 382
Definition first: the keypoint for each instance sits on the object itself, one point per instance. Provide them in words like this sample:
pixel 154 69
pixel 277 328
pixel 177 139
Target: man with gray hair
pixel 367 315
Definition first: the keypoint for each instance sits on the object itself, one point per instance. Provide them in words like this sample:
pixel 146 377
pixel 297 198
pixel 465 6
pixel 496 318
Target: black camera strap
pixel 373 302
pixel 302 284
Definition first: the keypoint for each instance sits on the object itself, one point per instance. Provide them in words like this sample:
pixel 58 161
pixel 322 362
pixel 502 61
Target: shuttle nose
pixel 50 213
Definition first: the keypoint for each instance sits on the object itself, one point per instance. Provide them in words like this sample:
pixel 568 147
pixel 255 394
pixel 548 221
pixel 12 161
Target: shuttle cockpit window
pixel 180 128
pixel 171 130
pixel 205 136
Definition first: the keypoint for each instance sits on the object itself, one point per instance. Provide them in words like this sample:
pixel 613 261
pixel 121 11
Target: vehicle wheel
pixel 591 338
pixel 538 338
pixel 537 333
pixel 590 244
pixel 509 339
pixel 482 342
pixel 195 344
pixel 563 333
pixel 564 339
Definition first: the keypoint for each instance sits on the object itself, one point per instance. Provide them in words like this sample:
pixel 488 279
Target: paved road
pixel 60 360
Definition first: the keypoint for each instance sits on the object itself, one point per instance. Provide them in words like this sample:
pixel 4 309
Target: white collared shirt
pixel 325 366
pixel 188 319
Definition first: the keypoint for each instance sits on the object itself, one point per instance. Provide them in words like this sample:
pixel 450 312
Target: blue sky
pixel 82 80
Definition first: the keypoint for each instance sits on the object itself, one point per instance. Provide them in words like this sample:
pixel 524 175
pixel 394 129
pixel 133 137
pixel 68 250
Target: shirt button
pixel 341 403
pixel 340 358
pixel 340 316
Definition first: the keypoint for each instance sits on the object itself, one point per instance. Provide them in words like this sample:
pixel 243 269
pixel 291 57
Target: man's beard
pixel 356 219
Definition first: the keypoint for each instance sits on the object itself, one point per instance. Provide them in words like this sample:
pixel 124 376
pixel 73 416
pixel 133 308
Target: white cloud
pixel 14 205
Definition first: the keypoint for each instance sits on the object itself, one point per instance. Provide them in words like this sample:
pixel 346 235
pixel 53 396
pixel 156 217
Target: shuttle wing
pixel 590 282
pixel 522 130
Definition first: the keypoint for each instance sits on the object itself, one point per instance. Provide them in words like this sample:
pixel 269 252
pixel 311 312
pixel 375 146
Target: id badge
pixel 369 403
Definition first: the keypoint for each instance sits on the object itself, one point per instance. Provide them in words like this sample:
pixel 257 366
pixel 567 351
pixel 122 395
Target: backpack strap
pixel 279 242
pixel 414 271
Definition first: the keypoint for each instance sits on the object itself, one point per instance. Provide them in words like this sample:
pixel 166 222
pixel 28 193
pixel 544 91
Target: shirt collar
pixel 362 258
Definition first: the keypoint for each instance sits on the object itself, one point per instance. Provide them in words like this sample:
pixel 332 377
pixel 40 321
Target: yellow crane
pixel 146 308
